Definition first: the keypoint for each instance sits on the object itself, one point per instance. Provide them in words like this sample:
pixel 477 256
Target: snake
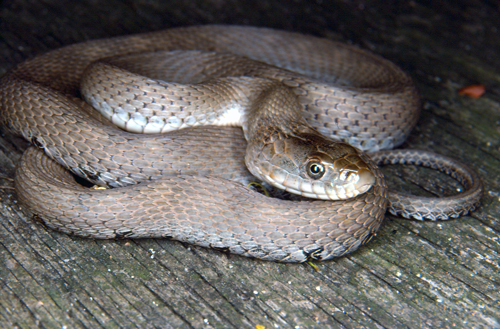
pixel 174 123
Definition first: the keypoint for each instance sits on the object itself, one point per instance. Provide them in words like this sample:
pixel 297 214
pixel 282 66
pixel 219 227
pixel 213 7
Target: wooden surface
pixel 413 274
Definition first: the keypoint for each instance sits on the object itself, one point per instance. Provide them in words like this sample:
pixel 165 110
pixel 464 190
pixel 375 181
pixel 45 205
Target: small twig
pixel 7 187
pixel 5 177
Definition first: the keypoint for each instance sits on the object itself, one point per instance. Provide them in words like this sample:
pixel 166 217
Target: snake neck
pixel 274 113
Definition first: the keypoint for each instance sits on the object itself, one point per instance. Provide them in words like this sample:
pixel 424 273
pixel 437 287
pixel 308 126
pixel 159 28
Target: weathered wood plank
pixel 412 274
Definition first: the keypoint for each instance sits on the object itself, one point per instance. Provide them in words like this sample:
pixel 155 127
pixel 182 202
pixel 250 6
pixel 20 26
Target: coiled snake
pixel 284 89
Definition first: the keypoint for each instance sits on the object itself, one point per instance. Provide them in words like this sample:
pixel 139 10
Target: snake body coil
pixel 283 88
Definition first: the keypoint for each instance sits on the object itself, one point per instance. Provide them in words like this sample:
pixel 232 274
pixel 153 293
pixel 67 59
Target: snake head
pixel 312 166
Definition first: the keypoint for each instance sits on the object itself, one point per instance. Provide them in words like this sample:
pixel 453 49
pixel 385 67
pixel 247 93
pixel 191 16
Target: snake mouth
pixel 357 183
pixel 348 184
pixel 340 179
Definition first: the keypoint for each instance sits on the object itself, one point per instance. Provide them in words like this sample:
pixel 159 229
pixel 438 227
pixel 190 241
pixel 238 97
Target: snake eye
pixel 315 169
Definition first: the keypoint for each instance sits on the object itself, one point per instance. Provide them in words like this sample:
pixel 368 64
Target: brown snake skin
pixel 199 198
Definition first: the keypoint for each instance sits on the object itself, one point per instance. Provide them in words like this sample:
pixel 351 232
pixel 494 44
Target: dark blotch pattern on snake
pixel 301 101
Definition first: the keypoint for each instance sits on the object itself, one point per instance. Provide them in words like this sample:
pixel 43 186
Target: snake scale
pixel 309 109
